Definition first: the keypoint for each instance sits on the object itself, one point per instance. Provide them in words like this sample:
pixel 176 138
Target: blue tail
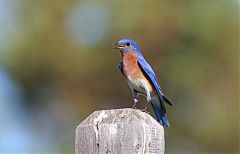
pixel 160 111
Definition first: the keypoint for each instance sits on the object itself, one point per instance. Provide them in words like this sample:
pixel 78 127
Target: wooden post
pixel 119 131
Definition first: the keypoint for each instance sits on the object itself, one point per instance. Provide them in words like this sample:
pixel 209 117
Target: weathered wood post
pixel 119 131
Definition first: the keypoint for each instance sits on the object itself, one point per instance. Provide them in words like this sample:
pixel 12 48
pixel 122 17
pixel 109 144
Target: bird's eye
pixel 128 44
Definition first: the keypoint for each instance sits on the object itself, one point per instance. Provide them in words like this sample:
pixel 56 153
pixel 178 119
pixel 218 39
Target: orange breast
pixel 130 66
pixel 132 70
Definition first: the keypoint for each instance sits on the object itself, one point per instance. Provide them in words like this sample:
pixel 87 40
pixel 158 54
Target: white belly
pixel 140 85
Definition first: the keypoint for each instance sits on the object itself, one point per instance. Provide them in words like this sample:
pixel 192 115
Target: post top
pixel 120 116
pixel 119 131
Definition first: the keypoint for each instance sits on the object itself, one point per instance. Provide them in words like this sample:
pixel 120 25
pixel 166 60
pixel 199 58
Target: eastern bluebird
pixel 141 78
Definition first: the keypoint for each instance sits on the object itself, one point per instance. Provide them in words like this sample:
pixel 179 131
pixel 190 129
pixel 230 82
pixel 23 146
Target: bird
pixel 142 79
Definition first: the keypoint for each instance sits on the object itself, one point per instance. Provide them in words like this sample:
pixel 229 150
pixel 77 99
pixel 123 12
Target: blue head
pixel 127 45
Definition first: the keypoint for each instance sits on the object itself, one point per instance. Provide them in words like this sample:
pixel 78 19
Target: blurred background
pixel 57 66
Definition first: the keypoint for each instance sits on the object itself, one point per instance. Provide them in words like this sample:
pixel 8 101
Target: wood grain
pixel 119 131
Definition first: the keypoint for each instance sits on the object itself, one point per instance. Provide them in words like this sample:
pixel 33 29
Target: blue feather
pixel 148 70
pixel 157 104
pixel 157 101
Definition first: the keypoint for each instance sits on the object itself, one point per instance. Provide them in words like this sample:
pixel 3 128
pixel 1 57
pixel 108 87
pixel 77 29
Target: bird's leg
pixel 135 103
pixel 148 100
pixel 135 98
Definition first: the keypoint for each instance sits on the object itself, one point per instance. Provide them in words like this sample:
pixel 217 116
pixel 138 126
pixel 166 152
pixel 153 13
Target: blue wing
pixel 151 75
pixel 157 105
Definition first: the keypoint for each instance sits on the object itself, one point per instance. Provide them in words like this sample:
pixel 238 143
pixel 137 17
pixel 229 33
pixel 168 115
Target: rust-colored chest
pixel 130 66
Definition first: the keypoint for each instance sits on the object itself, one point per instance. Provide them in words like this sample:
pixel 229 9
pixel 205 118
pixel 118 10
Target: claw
pixel 134 106
pixel 145 110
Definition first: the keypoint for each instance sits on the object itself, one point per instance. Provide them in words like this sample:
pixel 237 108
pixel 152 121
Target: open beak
pixel 117 46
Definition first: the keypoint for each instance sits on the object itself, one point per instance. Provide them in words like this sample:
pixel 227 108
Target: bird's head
pixel 127 45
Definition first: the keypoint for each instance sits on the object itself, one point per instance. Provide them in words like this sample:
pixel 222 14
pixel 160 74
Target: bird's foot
pixel 134 106
pixel 145 110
